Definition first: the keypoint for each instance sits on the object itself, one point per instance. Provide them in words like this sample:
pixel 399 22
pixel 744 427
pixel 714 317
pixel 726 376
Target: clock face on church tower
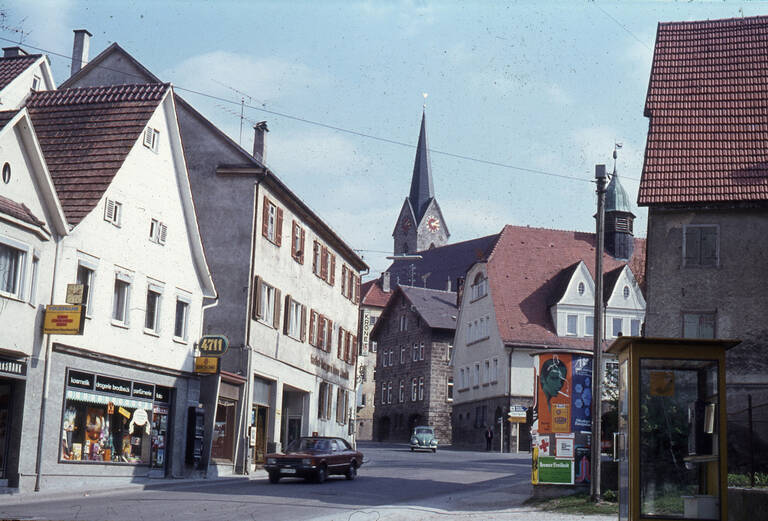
pixel 433 223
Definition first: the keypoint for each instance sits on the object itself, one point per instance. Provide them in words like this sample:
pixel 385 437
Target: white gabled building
pixel 117 396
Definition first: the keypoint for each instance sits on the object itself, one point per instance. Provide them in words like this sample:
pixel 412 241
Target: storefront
pixel 114 421
pixel 12 388
pixel 259 426
pixel 225 424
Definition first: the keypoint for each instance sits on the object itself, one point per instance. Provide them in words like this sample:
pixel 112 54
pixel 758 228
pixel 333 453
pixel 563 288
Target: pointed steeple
pixel 422 190
pixel 619 218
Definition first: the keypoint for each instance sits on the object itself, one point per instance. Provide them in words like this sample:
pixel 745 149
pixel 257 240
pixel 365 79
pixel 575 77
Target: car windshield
pixel 309 444
pixel 423 430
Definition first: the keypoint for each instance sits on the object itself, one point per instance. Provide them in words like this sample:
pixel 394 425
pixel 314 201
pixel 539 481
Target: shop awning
pixel 82 396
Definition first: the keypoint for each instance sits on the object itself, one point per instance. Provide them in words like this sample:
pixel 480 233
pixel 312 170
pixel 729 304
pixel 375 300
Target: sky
pixel 524 97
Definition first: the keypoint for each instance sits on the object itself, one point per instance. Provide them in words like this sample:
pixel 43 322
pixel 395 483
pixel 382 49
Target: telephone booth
pixel 671 439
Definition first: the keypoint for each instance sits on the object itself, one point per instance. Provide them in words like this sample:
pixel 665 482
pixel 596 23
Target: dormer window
pixel 113 211
pixel 150 138
pixel 36 83
pixel 479 287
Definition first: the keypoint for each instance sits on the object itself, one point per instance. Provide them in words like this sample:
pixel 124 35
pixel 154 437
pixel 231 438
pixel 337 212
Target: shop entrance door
pixel 5 426
pixel 259 419
pixel 294 428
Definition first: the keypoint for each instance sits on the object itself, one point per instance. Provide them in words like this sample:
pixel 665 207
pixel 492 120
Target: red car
pixel 316 458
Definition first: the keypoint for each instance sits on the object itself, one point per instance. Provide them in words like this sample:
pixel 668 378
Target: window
pixel 151 318
pixel 486 372
pixel 85 279
pixel 373 347
pixel 36 83
pixel 479 329
pixel 462 381
pixel 150 138
pixel 272 222
pixel 298 236
pixel 121 298
pixel 700 246
pixel 479 287
pixel 414 389
pixel 341 406
pixel 313 320
pixel 325 401
pixel 113 211
pixel 589 326
pixel 450 354
pixel 581 288
pixel 296 319
pixel 403 323
pixel 698 325
pixel 573 325
pixel 421 351
pixel 480 414
pixel 449 389
pixel 157 231
pixel 12 267
pixel 476 375
pixel 383 393
pixel 391 356
pixel 266 303
pixel 181 322
pixel 495 373
pixel 389 392
pixel 267 311
pixel 617 326
pixel 421 388
pixel 403 350
pixel 626 292
pixel 415 353
pixel 635 327
pixel 401 394
pixel 384 358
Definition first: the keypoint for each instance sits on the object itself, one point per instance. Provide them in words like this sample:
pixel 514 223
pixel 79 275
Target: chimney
pixel 459 291
pixel 448 284
pixel 13 52
pixel 385 282
pixel 260 141
pixel 80 50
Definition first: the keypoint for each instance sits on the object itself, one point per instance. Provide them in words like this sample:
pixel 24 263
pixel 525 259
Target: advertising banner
pixel 555 471
pixel 581 412
pixel 554 393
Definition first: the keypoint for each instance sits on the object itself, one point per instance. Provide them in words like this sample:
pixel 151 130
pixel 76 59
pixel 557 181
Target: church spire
pixel 422 190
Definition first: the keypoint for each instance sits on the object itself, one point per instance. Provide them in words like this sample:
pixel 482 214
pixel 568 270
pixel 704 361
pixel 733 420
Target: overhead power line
pixel 337 128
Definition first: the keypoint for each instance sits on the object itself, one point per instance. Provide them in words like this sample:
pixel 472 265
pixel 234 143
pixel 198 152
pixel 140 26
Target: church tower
pixel 420 225
pixel 619 219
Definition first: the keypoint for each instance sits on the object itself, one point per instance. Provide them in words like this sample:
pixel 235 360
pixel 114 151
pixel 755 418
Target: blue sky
pixel 543 86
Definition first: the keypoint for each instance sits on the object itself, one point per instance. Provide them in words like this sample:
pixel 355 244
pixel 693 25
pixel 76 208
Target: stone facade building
pixel 704 182
pixel 414 380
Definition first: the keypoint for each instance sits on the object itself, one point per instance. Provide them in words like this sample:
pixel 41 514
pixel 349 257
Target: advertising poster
pixel 555 471
pixel 554 393
pixel 564 446
pixel 582 464
pixel 543 445
pixel 581 412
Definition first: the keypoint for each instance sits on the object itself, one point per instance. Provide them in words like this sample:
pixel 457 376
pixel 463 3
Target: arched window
pixel 479 286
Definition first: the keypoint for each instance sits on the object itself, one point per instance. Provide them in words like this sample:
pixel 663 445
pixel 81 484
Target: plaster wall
pixel 16 93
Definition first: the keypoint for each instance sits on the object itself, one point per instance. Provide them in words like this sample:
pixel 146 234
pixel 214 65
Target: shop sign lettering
pixel 162 394
pixel 325 366
pixel 143 390
pixel 113 385
pixel 366 327
pixel 213 345
pixel 13 367
pixel 80 380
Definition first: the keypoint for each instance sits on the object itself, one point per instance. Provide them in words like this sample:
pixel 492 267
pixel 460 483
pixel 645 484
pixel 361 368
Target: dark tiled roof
pixel 437 308
pixel 6 116
pixel 441 264
pixel 560 284
pixel 526 270
pixel 86 135
pixel 706 102
pixel 610 279
pixel 12 67
pixel 19 211
pixel 372 294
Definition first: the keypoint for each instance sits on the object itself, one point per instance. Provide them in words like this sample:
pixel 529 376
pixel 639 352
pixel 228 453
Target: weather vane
pixel 425 99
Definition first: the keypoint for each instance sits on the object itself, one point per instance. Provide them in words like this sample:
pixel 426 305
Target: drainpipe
pixel 509 398
pixel 46 375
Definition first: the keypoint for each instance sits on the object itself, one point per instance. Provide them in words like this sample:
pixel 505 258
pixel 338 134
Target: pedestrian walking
pixel 488 438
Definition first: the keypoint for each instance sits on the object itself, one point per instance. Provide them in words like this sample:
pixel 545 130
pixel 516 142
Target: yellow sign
pixel 662 383
pixel 63 320
pixel 124 412
pixel 213 345
pixel 561 417
pixel 206 364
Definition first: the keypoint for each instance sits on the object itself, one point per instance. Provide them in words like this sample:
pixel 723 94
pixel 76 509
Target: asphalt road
pixel 390 476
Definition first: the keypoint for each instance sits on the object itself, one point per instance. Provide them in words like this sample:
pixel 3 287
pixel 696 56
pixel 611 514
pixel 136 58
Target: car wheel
pixel 352 471
pixel 274 477
pixel 321 475
pixel 411 449
pixel 434 450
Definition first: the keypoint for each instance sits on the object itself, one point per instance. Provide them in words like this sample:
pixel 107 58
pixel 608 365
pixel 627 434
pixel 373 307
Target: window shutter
pixel 333 269
pixel 148 137
pixel 301 243
pixel 265 218
pixel 344 280
pixel 692 246
pixel 279 227
pixel 709 246
pixel 303 334
pixel 287 311
pixel 109 210
pixel 340 345
pixel 312 330
pixel 163 233
pixel 315 247
pixel 357 289
pixel 276 315
pixel 329 336
pixel 256 298
pixel 354 349
pixel 293 239
pixel 320 336
pixel 324 263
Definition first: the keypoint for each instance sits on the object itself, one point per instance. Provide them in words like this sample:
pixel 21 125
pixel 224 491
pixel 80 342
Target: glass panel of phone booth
pixel 678 458
pixel 620 441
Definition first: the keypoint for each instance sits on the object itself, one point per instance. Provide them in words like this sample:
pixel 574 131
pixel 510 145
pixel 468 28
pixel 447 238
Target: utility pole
pixel 597 359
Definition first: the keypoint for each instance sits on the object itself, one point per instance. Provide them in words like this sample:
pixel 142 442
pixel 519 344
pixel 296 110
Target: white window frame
pixel 294 319
pixel 421 388
pixel 150 138
pixel 414 388
pixel 267 304
pixel 589 329
pixel 186 306
pixel 614 320
pixel 113 212
pixel 20 276
pixel 36 81
pixel 158 231
pixel 401 394
pixel 486 372
pixel 571 319
pixel 449 389
pixel 271 221
pixel 87 292
pixel 156 289
pixel 403 351
pixel 389 392
pixel 495 371
pixel 126 282
pixel 35 268
pixel 634 326
pixel 383 393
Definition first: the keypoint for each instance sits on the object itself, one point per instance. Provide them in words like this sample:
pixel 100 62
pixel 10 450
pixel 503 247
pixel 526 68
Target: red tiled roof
pixel 19 211
pixel 371 294
pixel 12 67
pixel 525 271
pixel 707 98
pixel 86 135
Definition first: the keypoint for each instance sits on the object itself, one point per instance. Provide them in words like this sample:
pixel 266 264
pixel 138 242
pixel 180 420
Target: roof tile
pixel 11 67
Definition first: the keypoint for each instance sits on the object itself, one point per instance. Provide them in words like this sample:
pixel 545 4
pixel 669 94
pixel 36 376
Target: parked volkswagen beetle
pixel 423 438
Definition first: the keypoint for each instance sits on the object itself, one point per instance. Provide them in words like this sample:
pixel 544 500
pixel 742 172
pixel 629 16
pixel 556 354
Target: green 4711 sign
pixel 213 345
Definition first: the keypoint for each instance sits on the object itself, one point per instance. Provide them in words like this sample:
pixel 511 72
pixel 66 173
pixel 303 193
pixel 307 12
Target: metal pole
pixel 597 362
pixel 501 435
pixel 751 444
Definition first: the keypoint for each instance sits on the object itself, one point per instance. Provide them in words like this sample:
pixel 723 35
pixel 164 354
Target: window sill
pixel 11 296
pixel 120 324
pixel 179 340
pixel 271 241
pixel 151 332
pixel 472 301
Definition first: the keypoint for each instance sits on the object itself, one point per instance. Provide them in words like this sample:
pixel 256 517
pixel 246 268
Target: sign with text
pixel 517 414
pixel 554 392
pixel 213 345
pixel 206 364
pixel 63 320
pixel 555 471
